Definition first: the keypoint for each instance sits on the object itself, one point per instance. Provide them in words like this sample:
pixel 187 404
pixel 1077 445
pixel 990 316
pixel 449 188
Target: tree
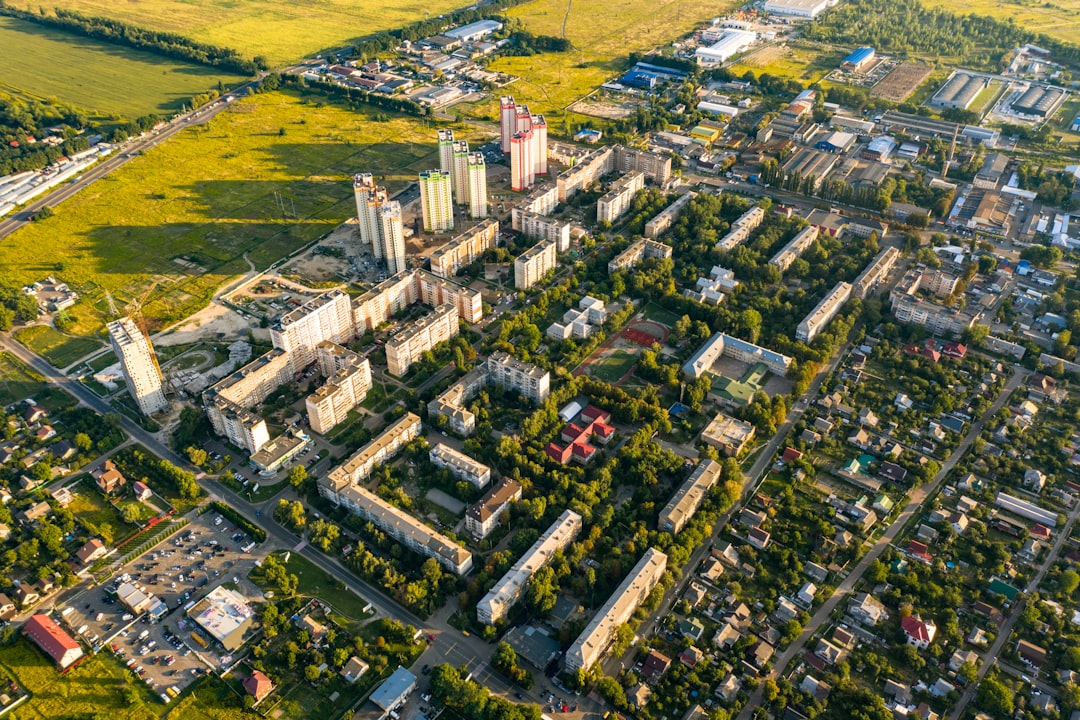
pixel 83 442
pixel 297 475
pixel 995 698
pixel 541 591
pixel 312 673
pixel 197 456
pixel 130 513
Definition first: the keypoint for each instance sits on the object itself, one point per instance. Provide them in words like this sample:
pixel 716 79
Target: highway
pixel 916 499
pixel 124 153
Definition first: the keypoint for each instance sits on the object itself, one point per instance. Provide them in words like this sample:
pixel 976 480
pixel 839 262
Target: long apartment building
pixel 636 252
pixel 793 250
pixel 541 227
pixel 460 465
pixel 394 294
pixel 483 517
pixel 406 529
pixel 598 635
pixel 723 345
pixel 740 230
pixel 688 498
pixel 348 380
pixel 616 201
pixel 227 401
pixel 437 201
pixel 451 402
pixel 909 308
pixel 542 201
pixel 361 463
pixel 407 346
pixel 326 317
pixel 464 249
pixel 496 605
pixel 823 313
pixel 667 217
pixel 141 372
pixel 595 164
pixel 875 272
pixel 531 266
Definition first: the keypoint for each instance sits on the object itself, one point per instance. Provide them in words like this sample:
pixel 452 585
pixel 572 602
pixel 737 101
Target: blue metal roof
pixel 859 55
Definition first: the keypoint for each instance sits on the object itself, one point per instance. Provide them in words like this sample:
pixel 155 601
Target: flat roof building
pixel 740 229
pixel 727 434
pixel 460 465
pixel 531 266
pixel 541 227
pixel 688 498
pixel 793 250
pixel 464 249
pixel 598 635
pixel 359 466
pixel 798 8
pixel 495 606
pixel 272 456
pixel 731 43
pixel 667 217
pixel 382 302
pixel 407 347
pixel 528 380
pixel 225 615
pixel 637 251
pixel 451 402
pixel 823 313
pixel 326 317
pixel 724 345
pixel 616 201
pixel 875 272
pixel 139 365
pixel 344 389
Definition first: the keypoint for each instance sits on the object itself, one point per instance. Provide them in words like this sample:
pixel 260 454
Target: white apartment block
pixel 542 201
pixel 636 252
pixel 393 236
pixel 528 380
pixel 394 294
pixel 715 288
pixel 407 530
pixel 793 250
pixel 483 517
pixel 446 151
pixel 344 390
pixel 361 463
pixel 326 317
pixel 240 426
pixel 140 367
pixel 875 272
pixel 436 201
pixel 476 185
pixel 496 605
pixel 369 199
pixel 908 308
pixel 598 635
pixel 580 322
pixel 464 249
pixel 407 346
pixel 451 402
pixel 542 227
pixel 822 315
pixel 667 217
pixel 227 402
pixel 740 229
pixel 460 465
pixel 616 201
pixel 688 498
pixel 531 266
pixel 617 158
pixel 655 166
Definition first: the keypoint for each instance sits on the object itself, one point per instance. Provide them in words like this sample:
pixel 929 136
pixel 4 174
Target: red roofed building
pixel 925 351
pixel 258 685
pixel 592 414
pixel 956 351
pixel 578 438
pixel 1040 532
pixel 141 490
pixel 919 633
pixel 52 640
pixel 109 479
pixel 790 454
pixel 919 551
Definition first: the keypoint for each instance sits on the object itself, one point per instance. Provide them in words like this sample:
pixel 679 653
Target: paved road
pixel 915 501
pixel 124 153
pixel 991 655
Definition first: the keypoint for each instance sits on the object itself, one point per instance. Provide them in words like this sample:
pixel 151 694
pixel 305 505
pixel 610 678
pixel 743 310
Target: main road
pixel 915 502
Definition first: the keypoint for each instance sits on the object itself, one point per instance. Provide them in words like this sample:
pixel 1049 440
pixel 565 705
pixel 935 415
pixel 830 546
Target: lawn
pixel 279 30
pixel 657 314
pixel 211 699
pixel 90 508
pixel 59 349
pixel 100 687
pixel 795 62
pixel 103 79
pixel 552 81
pixel 314 582
pixel 612 367
pixel 1057 18
pixel 211 195
pixel 17 381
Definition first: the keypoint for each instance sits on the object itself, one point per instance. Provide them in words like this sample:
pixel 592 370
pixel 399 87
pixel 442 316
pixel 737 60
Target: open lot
pixel 797 62
pixel 1057 18
pixel 180 569
pixel 208 198
pixel 17 381
pixel 278 30
pixel 101 78
pixel 56 347
pixel 898 85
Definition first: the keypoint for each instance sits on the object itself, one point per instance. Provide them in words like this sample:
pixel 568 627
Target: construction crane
pixel 134 312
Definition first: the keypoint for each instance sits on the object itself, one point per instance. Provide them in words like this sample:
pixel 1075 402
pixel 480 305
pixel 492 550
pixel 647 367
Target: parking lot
pixel 166 653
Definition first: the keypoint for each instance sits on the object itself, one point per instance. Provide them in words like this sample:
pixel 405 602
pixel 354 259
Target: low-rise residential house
pixel 729 687
pixel 830 652
pixel 93 549
pixel 726 636
pixel 760 653
pixel 918 632
pixel 1031 653
pixel 758 538
pixel 867 610
pixel 109 479
pixel 960 657
pixel 959 523
pixel 900 693
pixel 654 666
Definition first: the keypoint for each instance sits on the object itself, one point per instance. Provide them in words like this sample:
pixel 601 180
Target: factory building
pixel 731 43
pixel 807 9
pixel 859 60
pixel 959 91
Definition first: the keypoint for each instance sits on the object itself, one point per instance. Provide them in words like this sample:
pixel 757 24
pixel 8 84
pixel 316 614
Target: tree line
pixel 342 92
pixel 122 33
pixel 387 41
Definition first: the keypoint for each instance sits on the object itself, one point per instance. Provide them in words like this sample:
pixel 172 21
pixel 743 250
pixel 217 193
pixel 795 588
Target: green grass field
pixel 796 62
pixel 17 381
pixel 611 367
pixel 211 699
pixel 210 195
pixel 100 687
pixel 552 81
pixel 1057 18
pixel 279 30
pixel 89 507
pixel 314 582
pixel 104 80
pixel 59 349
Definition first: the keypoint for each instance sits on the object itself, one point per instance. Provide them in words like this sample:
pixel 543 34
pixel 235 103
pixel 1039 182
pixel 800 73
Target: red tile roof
pixel 258 685
pixel 915 628
pixel 52 639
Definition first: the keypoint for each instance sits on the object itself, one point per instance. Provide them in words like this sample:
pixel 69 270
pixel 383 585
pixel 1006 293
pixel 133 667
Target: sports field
pixel 612 365
pixel 279 30
pixel 103 79
pixel 603 33
pixel 257 182
pixel 1057 18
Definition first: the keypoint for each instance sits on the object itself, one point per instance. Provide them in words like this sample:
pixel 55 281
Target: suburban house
pixel 918 632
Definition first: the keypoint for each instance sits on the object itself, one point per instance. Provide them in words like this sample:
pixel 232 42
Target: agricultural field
pixel 208 205
pixel 17 381
pixel 279 30
pixel 551 82
pixel 795 62
pixel 1056 18
pixel 104 80
pixel 59 349
pixel 100 687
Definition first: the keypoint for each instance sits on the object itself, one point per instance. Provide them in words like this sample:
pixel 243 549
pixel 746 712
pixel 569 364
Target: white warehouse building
pixel 809 9
pixel 731 43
